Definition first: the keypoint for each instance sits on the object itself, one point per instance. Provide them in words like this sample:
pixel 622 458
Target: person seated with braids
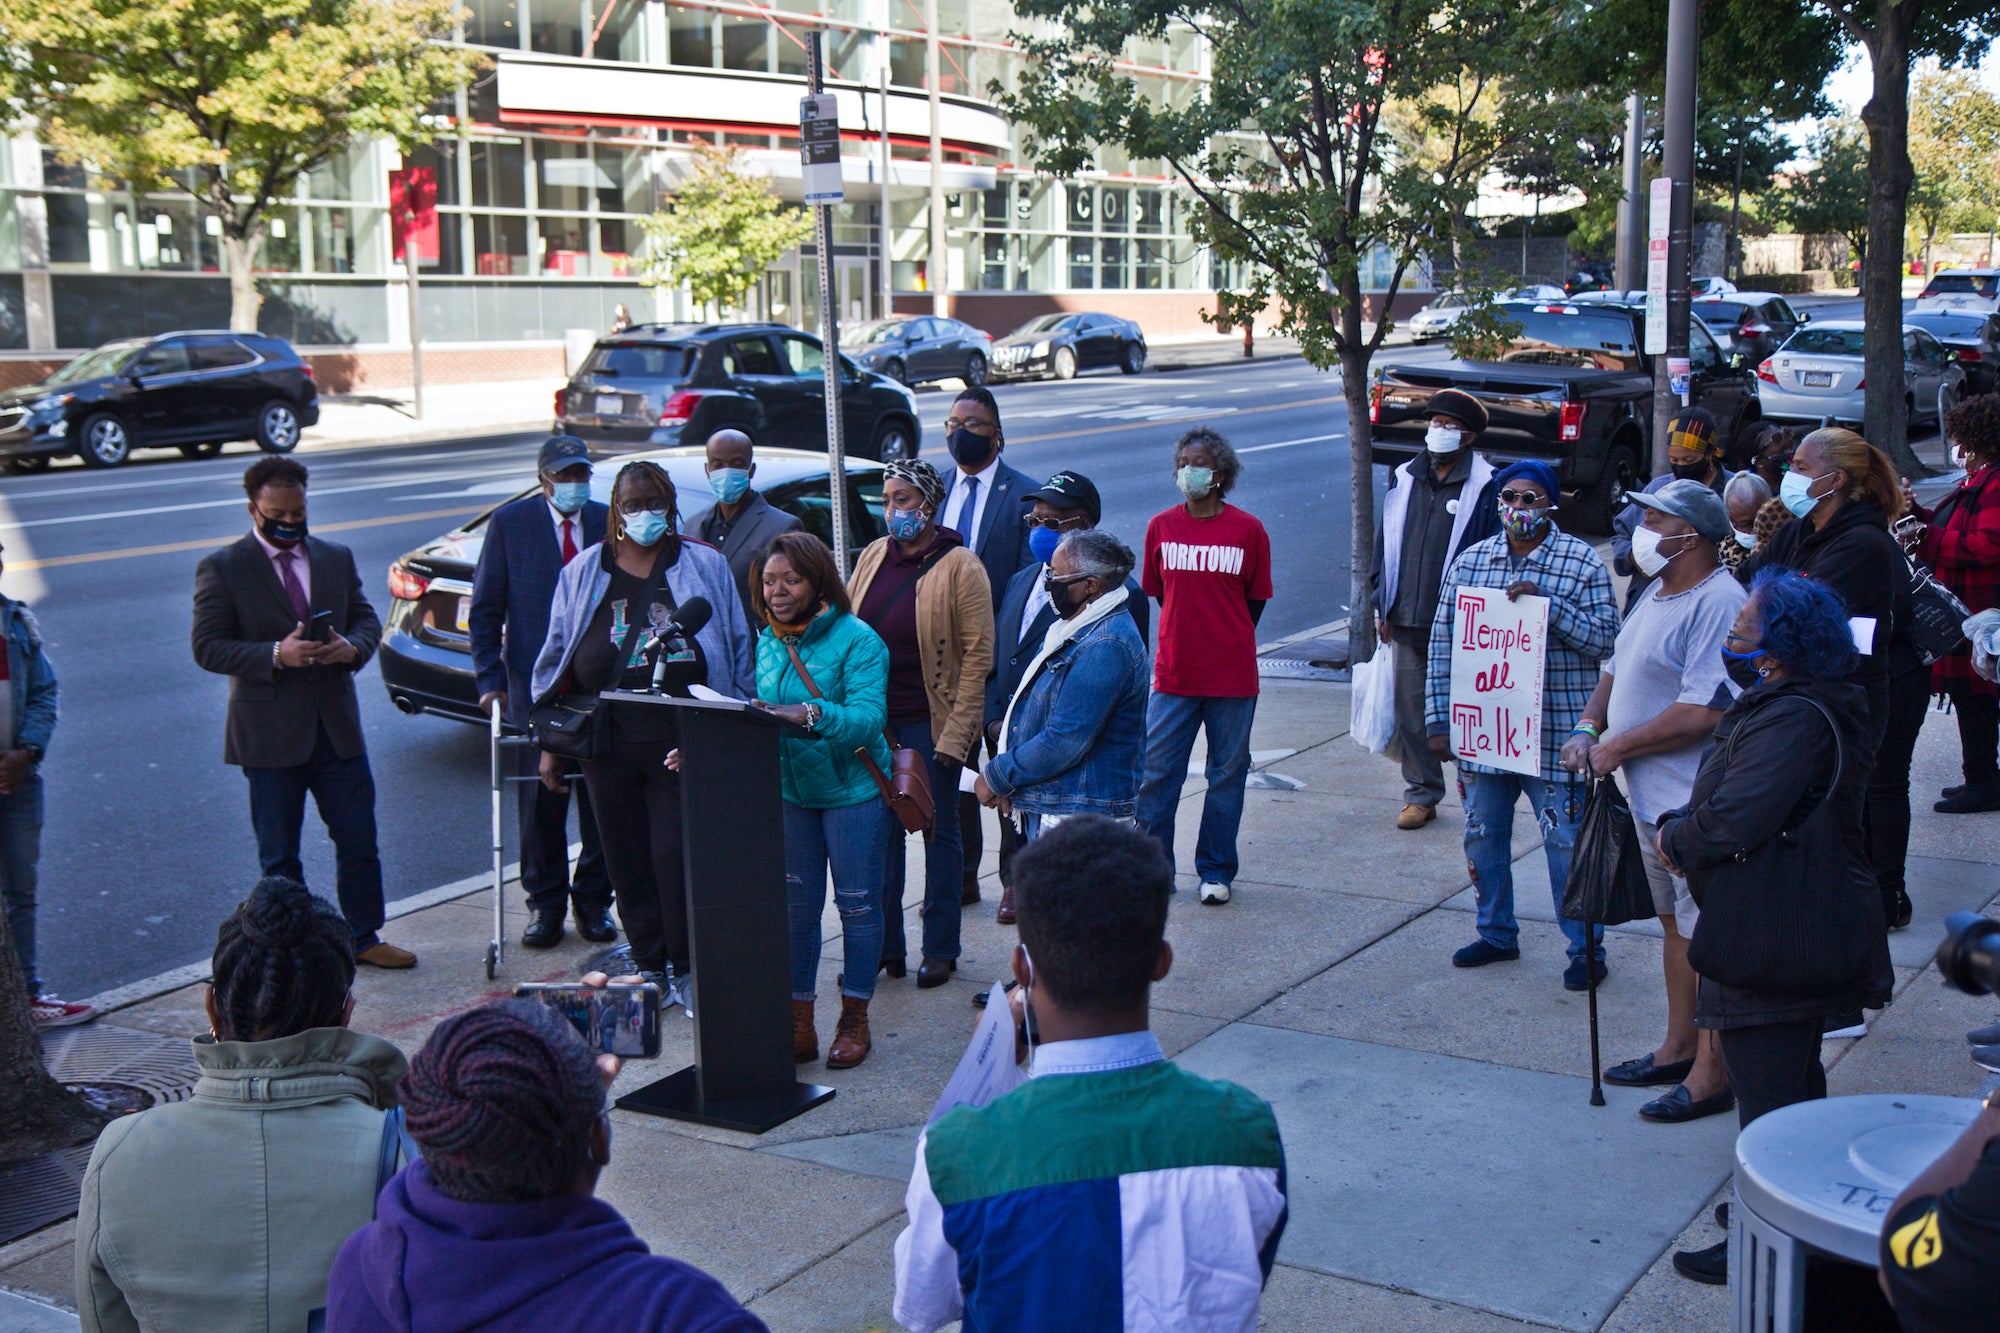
pixel 496 1227
pixel 225 1211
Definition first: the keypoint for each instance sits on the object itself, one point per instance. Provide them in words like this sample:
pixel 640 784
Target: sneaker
pixel 1479 953
pixel 679 989
pixel 1986 1036
pixel 1850 1024
pixel 50 1012
pixel 1987 1058
pixel 1710 1265
pixel 1213 894
pixel 1574 978
pixel 1973 799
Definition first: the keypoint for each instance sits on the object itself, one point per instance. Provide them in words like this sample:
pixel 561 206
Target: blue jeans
pixel 1489 800
pixel 851 840
pixel 1171 723
pixel 344 791
pixel 20 852
pixel 944 860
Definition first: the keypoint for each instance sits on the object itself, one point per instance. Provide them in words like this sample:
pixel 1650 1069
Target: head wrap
pixel 921 475
pixel 1694 429
pixel 1536 471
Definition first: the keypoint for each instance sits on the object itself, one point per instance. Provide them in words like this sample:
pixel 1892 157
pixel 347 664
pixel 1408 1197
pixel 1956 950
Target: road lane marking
pixel 1286 444
pixel 212 543
pixel 1192 416
pixel 390 483
pixel 187 475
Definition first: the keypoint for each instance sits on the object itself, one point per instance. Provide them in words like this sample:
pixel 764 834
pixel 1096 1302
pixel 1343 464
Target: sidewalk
pixel 451 411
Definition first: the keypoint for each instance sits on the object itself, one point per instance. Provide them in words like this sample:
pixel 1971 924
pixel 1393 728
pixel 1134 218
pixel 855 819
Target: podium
pixel 739 936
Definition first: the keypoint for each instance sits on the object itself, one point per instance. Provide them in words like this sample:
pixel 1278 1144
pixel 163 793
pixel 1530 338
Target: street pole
pixel 1670 374
pixel 819 139
pixel 888 263
pixel 416 317
pixel 1630 269
pixel 940 265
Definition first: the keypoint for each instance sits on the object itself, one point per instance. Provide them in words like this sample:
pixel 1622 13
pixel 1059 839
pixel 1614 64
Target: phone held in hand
pixel 621 1020
pixel 320 628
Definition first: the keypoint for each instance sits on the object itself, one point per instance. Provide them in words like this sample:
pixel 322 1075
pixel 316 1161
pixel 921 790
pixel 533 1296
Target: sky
pixel 1849 87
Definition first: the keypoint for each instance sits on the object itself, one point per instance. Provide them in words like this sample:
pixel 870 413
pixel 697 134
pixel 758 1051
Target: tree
pixel 235 100
pixel 37 1114
pixel 1954 150
pixel 1304 176
pixel 1830 197
pixel 724 228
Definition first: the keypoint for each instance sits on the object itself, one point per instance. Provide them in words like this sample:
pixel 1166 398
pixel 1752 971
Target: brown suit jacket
pixel 954 641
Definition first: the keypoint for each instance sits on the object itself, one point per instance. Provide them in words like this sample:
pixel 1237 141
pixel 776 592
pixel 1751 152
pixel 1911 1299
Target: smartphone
pixel 320 626
pixel 615 1020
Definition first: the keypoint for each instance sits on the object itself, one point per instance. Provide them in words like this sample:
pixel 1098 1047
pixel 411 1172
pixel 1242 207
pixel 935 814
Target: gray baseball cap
pixel 1690 500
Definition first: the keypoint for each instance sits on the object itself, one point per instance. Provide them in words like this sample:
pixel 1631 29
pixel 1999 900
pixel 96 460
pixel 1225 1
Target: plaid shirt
pixel 1583 627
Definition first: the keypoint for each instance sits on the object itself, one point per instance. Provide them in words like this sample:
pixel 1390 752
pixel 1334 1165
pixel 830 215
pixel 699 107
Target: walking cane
pixel 1590 964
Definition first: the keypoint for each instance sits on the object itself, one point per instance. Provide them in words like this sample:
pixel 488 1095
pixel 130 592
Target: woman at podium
pixel 613 627
pixel 821 667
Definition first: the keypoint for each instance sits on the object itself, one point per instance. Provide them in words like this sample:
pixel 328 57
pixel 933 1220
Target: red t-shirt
pixel 1207 571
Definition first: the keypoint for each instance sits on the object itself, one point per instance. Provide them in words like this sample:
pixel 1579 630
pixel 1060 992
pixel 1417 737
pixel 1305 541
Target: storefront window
pixel 746 44
pixel 441 160
pixel 563 174
pixel 564 243
pixel 559 26
pixel 624 179
pixel 169 234
pixel 1082 272
pixel 690 37
pixel 500 246
pixel 493 23
pixel 280 251
pixel 497 174
pixel 617 242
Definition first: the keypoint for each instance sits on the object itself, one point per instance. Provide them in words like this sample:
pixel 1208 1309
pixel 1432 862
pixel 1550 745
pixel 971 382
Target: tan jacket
pixel 954 641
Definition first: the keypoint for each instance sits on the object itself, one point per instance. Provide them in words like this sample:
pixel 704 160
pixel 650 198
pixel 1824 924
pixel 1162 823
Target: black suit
pixel 294 731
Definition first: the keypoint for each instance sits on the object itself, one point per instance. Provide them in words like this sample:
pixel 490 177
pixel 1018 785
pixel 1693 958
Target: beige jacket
pixel 225 1212
pixel 954 641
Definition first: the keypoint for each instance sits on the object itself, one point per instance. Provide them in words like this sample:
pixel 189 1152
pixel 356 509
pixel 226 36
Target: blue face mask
pixel 1043 542
pixel 569 496
pixel 905 525
pixel 1796 493
pixel 646 528
pixel 729 483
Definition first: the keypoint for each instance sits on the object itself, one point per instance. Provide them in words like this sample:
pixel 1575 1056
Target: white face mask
pixel 1746 540
pixel 1646 551
pixel 1442 439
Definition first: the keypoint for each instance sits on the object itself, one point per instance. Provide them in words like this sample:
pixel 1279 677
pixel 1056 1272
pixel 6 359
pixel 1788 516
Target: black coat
pixel 1771 759
pixel 240 611
pixel 1856 557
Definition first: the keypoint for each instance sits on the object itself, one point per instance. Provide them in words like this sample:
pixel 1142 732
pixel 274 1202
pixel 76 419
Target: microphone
pixel 686 620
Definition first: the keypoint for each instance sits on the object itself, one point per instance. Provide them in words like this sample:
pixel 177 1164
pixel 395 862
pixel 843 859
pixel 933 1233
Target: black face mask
pixel 1065 598
pixel 1742 668
pixel 969 449
pixel 1690 471
pixel 280 533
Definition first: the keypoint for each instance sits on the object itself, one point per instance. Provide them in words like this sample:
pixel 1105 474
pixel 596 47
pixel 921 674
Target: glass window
pixel 558 26
pixel 805 358
pixel 1702 351
pixel 499 245
pixel 617 241
pixel 750 356
pixel 219 353
pixel 1114 210
pixel 623 35
pixel 493 23
pixel 652 361
pixel 690 37
pixel 995 206
pixel 1082 208
pixel 993 266
pixel 1149 212
pixel 1082 272
pixel 564 175
pixel 498 174
pixel 624 179
pixel 168 234
pixel 348 174
pixel 1111 273
pixel 746 44
pixel 10 247
pixel 1148 266
pixel 564 243
pixel 441 160
pixel 280 251
pixel 167 358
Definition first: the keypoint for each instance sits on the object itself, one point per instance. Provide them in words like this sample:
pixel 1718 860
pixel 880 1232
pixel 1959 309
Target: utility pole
pixel 888 262
pixel 819 168
pixel 1630 265
pixel 939 267
pixel 1670 374
pixel 416 314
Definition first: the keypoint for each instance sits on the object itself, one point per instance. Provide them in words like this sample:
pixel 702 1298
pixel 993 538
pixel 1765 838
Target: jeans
pixel 638 803
pixel 1171 723
pixel 344 792
pixel 20 853
pixel 1772 1065
pixel 1489 849
pixel 544 823
pixel 944 860
pixel 1423 772
pixel 852 842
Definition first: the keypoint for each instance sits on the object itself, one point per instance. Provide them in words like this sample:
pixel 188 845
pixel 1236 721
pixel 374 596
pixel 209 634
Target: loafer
pixel 384 955
pixel 545 931
pixel 1644 1073
pixel 1986 1036
pixel 1900 910
pixel 1972 800
pixel 1574 978
pixel 593 922
pixel 1415 816
pixel 935 972
pixel 979 1000
pixel 1679 1106
pixel 1479 953
pixel 1710 1265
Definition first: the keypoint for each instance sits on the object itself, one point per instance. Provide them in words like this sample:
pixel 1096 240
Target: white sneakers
pixel 1213 894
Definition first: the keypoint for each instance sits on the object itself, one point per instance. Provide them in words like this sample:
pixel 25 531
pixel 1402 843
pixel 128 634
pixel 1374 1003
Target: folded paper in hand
pixel 987 1068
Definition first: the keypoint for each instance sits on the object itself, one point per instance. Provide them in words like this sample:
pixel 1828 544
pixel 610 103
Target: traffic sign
pixel 1659 224
pixel 819 149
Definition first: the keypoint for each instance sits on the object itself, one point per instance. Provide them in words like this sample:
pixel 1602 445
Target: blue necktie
pixel 967 508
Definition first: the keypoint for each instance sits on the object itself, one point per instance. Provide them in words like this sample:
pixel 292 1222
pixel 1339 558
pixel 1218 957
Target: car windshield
pixel 1594 339
pixel 1449 301
pixel 106 360
pixel 1717 314
pixel 1047 323
pixel 1948 324
pixel 1979 284
pixel 865 335
pixel 1826 342
pixel 640 361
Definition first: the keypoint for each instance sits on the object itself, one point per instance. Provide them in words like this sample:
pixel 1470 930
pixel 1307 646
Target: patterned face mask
pixel 1523 524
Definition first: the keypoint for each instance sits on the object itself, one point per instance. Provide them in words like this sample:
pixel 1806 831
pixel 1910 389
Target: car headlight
pixel 1041 348
pixel 50 403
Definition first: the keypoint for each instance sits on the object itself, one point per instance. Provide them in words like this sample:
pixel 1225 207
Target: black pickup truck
pixel 1574 389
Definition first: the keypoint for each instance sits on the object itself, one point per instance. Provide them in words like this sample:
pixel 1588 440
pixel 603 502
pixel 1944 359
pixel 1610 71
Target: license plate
pixel 464 614
pixel 1816 379
pixel 610 404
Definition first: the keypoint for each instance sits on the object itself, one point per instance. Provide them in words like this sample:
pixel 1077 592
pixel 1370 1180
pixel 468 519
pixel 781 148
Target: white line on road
pixel 221 476
pixel 1286 444
pixel 237 503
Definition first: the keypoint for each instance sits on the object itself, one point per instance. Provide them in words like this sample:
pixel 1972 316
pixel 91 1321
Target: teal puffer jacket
pixel 850 664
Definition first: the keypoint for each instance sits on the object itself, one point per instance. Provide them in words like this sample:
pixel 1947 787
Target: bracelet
pixel 277 655
pixel 1587 728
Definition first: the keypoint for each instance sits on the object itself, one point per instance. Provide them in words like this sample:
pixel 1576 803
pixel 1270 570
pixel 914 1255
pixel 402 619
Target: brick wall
pixel 346 370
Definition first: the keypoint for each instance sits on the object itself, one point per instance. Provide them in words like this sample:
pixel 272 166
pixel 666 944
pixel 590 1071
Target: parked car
pixel 1753 323
pixel 1702 287
pixel 1434 321
pixel 658 385
pixel 920 351
pixel 1967 288
pixel 426 651
pixel 1573 388
pixel 194 391
pixel 1063 344
pixel 1819 376
pixel 1590 278
pixel 1534 291
pixel 1971 336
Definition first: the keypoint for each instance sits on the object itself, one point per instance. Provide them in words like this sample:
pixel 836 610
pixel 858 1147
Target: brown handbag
pixel 907 785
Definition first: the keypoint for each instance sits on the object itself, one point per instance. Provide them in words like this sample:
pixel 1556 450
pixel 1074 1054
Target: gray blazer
pixel 752 531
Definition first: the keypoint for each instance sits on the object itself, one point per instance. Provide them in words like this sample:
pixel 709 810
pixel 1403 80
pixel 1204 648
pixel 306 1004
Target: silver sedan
pixel 1818 376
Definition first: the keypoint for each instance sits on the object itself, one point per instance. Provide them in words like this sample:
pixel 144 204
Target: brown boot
pixel 1005 916
pixel 805 1040
pixel 851 1042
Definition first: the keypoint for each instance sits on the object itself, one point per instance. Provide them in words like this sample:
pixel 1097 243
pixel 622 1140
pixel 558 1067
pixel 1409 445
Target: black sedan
pixel 919 351
pixel 1061 345
pixel 426 652
pixel 1973 337
pixel 192 391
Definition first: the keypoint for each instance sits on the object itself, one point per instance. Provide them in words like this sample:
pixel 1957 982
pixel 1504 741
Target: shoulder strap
pixel 930 562
pixel 1839 760
pixel 396 1144
pixel 812 688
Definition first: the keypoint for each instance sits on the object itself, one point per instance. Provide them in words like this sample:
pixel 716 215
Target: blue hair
pixel 1805 624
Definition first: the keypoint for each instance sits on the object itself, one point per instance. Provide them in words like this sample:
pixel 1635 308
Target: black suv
pixel 658 385
pixel 194 391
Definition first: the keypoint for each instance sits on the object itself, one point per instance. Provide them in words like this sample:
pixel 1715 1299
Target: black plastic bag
pixel 1607 880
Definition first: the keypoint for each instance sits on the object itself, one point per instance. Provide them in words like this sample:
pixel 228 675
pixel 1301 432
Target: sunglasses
pixel 1532 499
pixel 973 424
pixel 1062 524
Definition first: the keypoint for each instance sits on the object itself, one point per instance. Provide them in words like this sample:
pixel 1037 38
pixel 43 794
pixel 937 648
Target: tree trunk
pixel 1354 358
pixel 240 253
pixel 37 1114
pixel 1890 175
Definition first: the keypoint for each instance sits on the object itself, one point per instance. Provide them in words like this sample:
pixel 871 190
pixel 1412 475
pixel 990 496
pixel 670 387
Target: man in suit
pixel 283 616
pixel 1066 503
pixel 742 522
pixel 985 502
pixel 527 544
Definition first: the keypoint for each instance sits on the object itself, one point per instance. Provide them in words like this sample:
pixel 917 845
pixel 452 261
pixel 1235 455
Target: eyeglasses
pixel 634 508
pixel 1532 499
pixel 1053 577
pixel 974 424
pixel 1062 524
pixel 1734 637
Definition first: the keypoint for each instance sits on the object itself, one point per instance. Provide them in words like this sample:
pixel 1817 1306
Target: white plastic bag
pixel 1373 724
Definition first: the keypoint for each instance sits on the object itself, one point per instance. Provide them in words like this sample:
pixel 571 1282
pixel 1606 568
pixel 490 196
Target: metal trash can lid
pixel 1825 1172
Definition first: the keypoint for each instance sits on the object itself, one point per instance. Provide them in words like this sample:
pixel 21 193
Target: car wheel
pixel 207 449
pixel 893 441
pixel 975 370
pixel 29 463
pixel 1064 364
pixel 277 427
pixel 1135 358
pixel 105 442
pixel 1603 501
pixel 895 371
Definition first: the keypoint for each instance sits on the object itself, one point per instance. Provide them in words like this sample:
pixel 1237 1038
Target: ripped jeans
pixel 1489 800
pixel 853 840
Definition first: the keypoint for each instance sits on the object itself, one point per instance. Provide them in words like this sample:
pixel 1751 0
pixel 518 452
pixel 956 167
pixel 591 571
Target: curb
pixel 438 435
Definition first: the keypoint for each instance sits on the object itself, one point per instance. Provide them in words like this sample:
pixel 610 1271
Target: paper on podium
pixel 987 1068
pixel 707 695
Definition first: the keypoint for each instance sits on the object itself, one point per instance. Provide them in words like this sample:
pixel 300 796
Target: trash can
pixel 576 347
pixel 1814 1181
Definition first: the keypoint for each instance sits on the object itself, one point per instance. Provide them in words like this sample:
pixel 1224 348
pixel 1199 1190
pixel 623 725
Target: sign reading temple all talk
pixel 1499 654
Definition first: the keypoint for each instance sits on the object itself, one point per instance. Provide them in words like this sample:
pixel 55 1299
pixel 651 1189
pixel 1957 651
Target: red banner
pixel 413 191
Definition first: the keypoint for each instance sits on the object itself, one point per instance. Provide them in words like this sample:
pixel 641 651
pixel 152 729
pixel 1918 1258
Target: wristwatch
pixel 277 655
pixel 812 717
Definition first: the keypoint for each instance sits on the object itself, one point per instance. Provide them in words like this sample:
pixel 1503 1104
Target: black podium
pixel 733 848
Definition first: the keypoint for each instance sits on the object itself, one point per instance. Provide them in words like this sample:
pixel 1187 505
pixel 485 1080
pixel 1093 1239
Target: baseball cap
pixel 1072 490
pixel 1690 500
pixel 561 451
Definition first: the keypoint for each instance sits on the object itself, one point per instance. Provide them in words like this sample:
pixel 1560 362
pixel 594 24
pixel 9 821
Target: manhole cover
pixel 1308 659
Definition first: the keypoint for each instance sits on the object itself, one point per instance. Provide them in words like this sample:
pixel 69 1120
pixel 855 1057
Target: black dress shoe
pixel 935 972
pixel 1710 1265
pixel 968 893
pixel 545 931
pixel 593 922
pixel 1971 800
pixel 895 967
pixel 1643 1073
pixel 1900 910
pixel 1679 1106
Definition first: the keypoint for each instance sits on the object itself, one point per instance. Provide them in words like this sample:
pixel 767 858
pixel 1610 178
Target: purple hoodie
pixel 430 1264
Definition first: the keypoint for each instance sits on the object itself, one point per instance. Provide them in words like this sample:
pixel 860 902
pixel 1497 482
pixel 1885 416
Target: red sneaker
pixel 49 1012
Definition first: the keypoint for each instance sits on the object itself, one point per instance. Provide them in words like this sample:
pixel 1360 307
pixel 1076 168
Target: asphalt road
pixel 147 843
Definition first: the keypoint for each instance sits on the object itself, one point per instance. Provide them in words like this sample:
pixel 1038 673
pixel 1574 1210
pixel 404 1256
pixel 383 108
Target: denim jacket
pixel 1078 736
pixel 30 677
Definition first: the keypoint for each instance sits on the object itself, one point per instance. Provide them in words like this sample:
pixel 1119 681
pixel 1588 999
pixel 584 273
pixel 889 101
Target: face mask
pixel 280 533
pixel 1646 551
pixel 729 483
pixel 1795 491
pixel 1066 598
pixel 1195 482
pixel 570 496
pixel 905 525
pixel 1746 540
pixel 1442 440
pixel 1690 471
pixel 969 449
pixel 1740 668
pixel 646 528
pixel 1043 542
pixel 1522 524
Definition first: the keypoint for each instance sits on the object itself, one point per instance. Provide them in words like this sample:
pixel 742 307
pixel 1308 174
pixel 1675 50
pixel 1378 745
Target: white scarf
pixel 1059 634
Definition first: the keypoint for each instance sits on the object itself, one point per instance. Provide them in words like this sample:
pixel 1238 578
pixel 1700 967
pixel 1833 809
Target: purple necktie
pixel 287 561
